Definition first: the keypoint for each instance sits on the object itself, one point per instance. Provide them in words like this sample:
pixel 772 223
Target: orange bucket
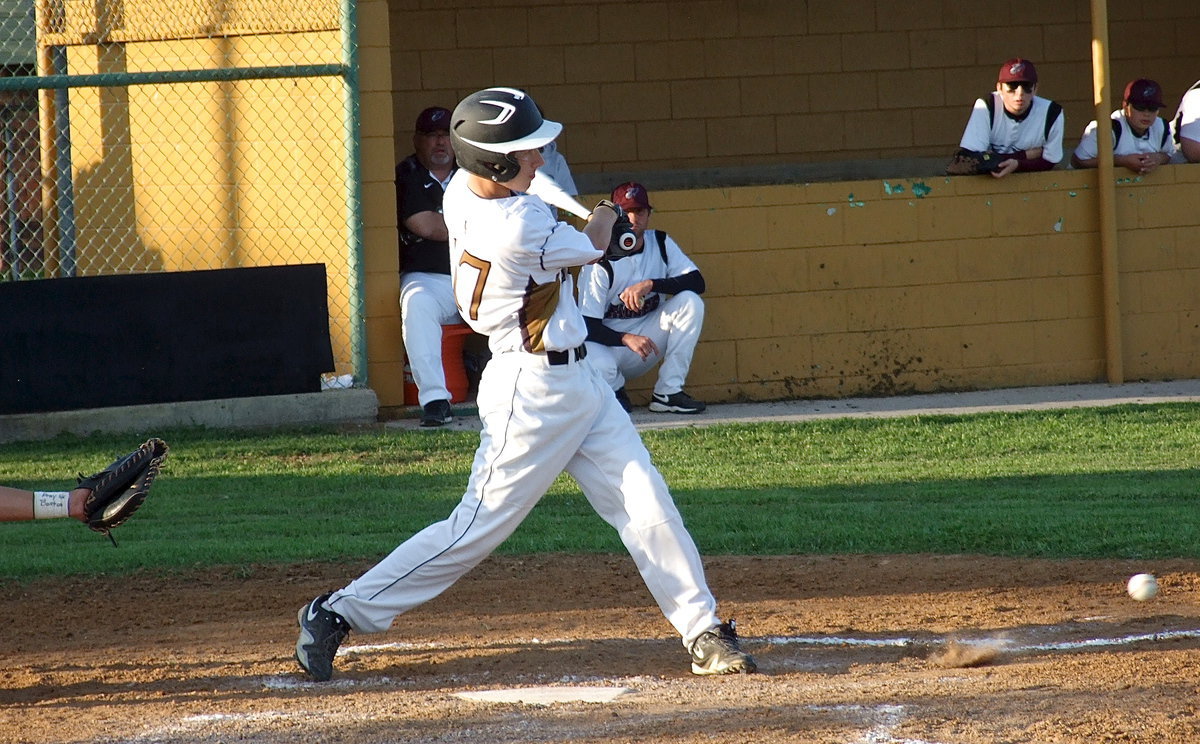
pixel 453 337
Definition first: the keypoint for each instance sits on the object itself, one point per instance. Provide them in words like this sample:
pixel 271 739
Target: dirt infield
pixel 853 650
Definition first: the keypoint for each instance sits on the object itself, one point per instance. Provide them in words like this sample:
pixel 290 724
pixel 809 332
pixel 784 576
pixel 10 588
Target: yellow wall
pixel 381 261
pixel 909 285
pixel 849 287
pixel 703 83
pixel 815 289
pixel 246 173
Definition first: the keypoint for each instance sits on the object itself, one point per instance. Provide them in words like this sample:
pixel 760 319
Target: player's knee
pixel 689 305
pixel 688 298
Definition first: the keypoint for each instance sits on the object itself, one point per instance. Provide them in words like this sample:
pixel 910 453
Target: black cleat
pixel 623 399
pixel 436 413
pixel 717 652
pixel 321 632
pixel 679 402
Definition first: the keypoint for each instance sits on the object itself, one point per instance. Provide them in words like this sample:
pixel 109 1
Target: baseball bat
pixel 554 195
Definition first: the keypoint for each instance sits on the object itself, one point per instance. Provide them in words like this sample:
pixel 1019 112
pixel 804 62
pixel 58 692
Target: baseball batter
pixel 643 307
pixel 1185 127
pixel 543 407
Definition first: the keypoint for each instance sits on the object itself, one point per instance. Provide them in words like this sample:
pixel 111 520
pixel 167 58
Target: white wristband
pixel 51 504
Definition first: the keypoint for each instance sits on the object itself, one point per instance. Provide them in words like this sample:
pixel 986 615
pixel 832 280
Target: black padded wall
pixel 102 341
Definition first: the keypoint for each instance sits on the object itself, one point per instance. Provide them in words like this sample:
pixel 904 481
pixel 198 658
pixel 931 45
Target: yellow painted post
pixel 49 145
pixel 1107 189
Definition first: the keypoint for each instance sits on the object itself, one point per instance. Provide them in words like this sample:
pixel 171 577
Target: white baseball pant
pixel 539 420
pixel 426 304
pixel 675 329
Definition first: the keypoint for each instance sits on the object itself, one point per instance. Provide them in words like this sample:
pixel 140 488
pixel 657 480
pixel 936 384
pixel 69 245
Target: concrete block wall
pixel 705 83
pixel 884 287
pixel 381 260
pixel 848 287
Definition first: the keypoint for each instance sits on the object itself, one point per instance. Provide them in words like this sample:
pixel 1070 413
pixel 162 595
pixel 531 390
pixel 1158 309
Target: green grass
pixel 1109 482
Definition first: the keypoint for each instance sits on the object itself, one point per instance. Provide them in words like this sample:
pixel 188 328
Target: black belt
pixel 559 358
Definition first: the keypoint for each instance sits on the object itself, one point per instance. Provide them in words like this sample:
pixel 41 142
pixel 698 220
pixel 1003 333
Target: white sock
pixel 51 504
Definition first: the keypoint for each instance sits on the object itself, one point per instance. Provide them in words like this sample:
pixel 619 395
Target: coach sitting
pixel 426 295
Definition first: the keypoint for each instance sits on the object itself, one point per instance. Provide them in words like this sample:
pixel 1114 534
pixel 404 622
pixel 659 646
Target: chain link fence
pixel 178 135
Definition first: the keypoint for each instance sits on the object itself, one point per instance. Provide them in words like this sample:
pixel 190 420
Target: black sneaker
pixel 321 632
pixel 679 402
pixel 717 652
pixel 623 399
pixel 436 413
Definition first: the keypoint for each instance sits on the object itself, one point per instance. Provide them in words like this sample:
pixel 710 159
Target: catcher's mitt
pixel 119 489
pixel 971 163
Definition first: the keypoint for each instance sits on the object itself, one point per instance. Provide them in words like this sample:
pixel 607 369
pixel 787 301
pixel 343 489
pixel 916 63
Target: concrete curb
pixel 361 406
pixel 1088 395
pixel 347 406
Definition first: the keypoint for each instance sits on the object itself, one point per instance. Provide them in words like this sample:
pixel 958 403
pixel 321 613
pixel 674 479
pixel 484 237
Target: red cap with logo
pixel 631 195
pixel 1017 70
pixel 433 119
pixel 1143 92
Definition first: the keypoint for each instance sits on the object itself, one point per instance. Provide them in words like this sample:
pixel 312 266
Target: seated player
pixel 643 307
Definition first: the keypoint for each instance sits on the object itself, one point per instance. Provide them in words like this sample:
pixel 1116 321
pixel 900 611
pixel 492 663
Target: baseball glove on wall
pixel 119 489
pixel 971 163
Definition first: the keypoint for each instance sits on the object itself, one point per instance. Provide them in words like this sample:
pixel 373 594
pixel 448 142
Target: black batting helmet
pixel 488 126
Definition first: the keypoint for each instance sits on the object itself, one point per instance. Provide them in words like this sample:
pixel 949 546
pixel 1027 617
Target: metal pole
pixel 13 241
pixel 46 80
pixel 1107 191
pixel 65 188
pixel 354 226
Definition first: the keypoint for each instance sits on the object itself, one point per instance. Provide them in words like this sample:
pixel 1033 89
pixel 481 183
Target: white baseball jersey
pixel 673 324
pixel 510 258
pixel 992 128
pixel 600 295
pixel 544 409
pixel 1156 139
pixel 1186 122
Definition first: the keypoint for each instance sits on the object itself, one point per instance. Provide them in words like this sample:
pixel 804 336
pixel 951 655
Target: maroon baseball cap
pixel 1017 70
pixel 631 195
pixel 433 119
pixel 1143 92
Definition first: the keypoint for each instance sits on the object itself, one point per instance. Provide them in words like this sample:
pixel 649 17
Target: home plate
pixel 546 695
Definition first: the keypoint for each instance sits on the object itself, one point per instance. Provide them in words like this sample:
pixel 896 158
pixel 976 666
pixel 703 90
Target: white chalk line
pixel 887 718
pixel 894 642
pixel 367 648
pixel 1008 644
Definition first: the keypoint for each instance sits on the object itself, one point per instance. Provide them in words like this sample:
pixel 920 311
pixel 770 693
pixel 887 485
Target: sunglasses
pixel 1145 109
pixel 1012 87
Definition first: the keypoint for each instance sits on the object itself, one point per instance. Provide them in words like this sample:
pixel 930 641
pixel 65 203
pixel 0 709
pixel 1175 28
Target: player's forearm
pixel 1032 165
pixel 691 281
pixel 599 226
pixel 1190 148
pixel 428 225
pixel 600 333
pixel 1079 162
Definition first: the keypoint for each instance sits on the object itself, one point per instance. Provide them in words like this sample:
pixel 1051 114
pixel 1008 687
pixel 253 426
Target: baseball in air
pixel 1142 586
